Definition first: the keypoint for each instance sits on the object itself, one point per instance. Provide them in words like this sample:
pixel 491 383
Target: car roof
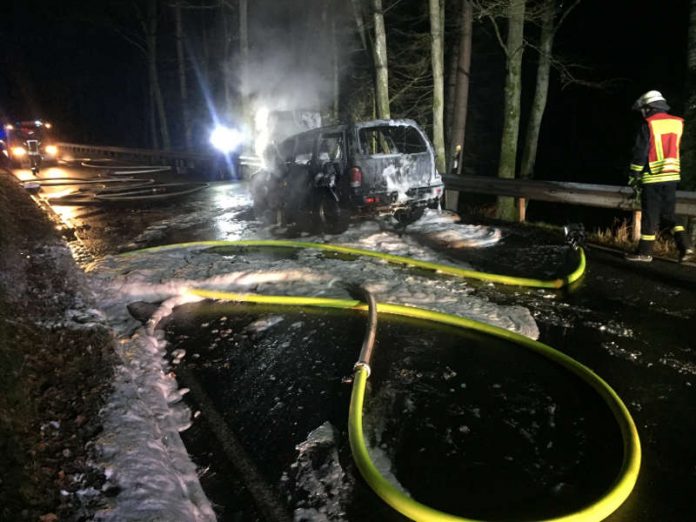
pixel 358 125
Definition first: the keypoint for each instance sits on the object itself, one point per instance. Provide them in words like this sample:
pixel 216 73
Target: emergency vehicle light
pixel 225 139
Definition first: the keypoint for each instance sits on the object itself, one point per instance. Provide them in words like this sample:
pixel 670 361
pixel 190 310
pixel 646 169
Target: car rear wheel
pixel 409 215
pixel 332 218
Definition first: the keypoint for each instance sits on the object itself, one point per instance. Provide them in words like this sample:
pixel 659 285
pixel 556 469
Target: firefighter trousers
pixel 658 202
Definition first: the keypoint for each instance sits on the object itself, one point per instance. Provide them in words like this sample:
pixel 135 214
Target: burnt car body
pixel 325 176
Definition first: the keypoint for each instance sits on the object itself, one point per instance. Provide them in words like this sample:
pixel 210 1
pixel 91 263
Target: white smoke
pixel 290 60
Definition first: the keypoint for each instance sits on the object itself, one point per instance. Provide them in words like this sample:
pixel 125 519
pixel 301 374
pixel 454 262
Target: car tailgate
pixel 398 173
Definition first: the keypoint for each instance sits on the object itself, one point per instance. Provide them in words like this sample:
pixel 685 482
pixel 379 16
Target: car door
pixel 330 160
pixel 298 180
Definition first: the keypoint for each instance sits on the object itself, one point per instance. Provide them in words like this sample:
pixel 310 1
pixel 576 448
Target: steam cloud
pixel 290 61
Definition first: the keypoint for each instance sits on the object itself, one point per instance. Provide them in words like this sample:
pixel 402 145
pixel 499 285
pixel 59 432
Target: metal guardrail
pixel 211 166
pixel 605 196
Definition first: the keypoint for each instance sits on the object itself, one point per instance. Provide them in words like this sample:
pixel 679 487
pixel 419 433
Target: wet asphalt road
pixel 633 325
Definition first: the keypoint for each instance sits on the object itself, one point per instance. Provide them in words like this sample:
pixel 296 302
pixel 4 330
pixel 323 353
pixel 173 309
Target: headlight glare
pixel 225 139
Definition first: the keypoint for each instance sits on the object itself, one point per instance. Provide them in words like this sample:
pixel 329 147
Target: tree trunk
pixel 452 57
pixel 541 92
pixel 380 59
pixel 513 86
pixel 152 114
pixel 329 24
pixel 247 112
pixel 335 71
pixel 183 88
pixel 360 22
pixel 226 65
pixel 689 139
pixel 153 75
pixel 205 51
pixel 436 46
pixel 461 95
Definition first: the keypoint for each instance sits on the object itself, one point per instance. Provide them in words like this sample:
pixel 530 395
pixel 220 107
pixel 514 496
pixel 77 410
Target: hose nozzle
pixel 574 235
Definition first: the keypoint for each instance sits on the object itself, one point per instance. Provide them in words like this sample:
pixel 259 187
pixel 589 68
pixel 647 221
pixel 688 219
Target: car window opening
pixel 391 140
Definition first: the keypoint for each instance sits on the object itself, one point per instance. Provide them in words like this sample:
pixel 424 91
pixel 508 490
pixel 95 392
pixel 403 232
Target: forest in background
pixel 527 88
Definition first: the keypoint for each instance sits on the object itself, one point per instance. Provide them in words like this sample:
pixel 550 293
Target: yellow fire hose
pixel 597 511
pixel 391 258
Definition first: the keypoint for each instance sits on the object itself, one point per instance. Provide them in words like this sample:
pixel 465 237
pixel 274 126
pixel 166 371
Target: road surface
pixel 466 424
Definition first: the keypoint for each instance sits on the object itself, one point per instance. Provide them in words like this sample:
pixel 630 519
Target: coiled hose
pixel 597 511
pixel 560 282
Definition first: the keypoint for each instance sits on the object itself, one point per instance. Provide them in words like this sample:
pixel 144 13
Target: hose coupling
pixel 574 235
pixel 361 364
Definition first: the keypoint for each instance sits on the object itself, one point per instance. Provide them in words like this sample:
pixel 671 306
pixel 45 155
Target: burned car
pixel 319 179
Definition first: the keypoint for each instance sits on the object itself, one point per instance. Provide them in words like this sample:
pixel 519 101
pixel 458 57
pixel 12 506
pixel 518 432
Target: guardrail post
pixel 521 209
pixel 451 200
pixel 635 235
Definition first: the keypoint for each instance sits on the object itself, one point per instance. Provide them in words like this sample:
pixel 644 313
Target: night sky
pixel 640 46
pixel 65 62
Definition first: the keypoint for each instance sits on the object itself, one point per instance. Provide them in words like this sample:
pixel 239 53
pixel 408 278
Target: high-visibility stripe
pixel 647 237
pixel 664 164
pixel 659 178
pixel 678 228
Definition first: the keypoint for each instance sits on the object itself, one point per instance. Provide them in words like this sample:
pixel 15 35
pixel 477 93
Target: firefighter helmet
pixel 650 98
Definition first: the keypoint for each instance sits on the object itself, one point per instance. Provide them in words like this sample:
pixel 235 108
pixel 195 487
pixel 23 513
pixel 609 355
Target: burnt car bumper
pixel 389 202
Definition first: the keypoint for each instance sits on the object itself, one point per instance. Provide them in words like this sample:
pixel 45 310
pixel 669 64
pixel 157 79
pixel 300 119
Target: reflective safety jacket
pixel 655 156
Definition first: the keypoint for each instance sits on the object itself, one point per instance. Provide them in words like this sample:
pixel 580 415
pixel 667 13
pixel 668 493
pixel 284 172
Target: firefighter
pixel 655 170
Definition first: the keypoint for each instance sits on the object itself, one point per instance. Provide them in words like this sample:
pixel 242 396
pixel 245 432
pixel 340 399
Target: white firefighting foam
pixel 141 447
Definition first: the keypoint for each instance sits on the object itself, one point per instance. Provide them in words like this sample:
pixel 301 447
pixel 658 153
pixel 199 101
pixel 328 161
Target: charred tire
pixel 410 215
pixel 276 217
pixel 263 205
pixel 262 210
pixel 331 217
pixel 269 215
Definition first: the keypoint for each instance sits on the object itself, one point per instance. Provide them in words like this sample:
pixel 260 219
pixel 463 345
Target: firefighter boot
pixel 643 254
pixel 686 252
pixel 687 256
pixel 637 256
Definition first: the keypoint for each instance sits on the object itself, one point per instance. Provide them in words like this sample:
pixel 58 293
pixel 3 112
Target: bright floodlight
pixel 225 139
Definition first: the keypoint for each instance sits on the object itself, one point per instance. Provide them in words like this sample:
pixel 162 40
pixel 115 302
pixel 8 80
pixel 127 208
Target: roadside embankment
pixel 55 368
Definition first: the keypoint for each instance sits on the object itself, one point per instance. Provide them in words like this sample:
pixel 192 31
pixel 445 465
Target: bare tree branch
pixel 498 35
pixel 568 76
pixel 131 40
pixel 565 14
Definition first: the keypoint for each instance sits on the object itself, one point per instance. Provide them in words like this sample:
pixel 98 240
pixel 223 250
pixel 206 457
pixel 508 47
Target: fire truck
pixel 29 143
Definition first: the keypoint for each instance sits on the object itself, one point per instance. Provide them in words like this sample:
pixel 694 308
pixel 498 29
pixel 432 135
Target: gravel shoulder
pixel 56 362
